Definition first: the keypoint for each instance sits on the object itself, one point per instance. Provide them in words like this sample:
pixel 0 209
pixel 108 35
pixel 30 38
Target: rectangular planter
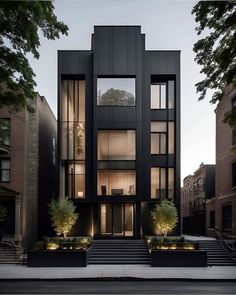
pixel 58 258
pixel 178 258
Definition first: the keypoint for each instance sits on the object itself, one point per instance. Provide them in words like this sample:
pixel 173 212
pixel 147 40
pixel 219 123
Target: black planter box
pixel 175 258
pixel 62 258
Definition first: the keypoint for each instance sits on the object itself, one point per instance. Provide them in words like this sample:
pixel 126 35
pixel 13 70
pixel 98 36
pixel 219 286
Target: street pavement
pixel 118 272
pixel 117 287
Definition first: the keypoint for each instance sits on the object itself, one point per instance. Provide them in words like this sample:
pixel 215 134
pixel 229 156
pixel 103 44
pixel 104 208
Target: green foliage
pixel 3 213
pixel 20 22
pixel 116 97
pixel 63 216
pixel 216 52
pixel 165 216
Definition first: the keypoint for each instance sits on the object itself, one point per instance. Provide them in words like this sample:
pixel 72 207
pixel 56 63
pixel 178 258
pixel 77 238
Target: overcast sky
pixel 168 25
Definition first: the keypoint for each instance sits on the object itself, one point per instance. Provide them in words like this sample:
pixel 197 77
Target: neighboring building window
pixel 159 133
pixel 212 219
pixel 76 179
pixel 5 126
pixel 163 95
pixel 227 218
pixel 5 168
pixel 116 91
pixel 234 102
pixel 234 174
pixel 116 145
pixel 158 183
pixel 116 182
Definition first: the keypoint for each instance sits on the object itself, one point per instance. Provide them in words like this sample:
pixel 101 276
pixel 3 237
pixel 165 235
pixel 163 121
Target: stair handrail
pixel 16 247
pixel 225 246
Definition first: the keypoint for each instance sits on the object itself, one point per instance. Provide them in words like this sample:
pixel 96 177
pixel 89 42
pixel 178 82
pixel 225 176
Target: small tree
pixel 165 216
pixel 63 215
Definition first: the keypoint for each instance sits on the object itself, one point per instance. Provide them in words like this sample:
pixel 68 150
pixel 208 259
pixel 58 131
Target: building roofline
pixel 162 50
pixel 74 50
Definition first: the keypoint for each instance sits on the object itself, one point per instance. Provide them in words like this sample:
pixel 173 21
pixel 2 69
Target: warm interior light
pixel 80 194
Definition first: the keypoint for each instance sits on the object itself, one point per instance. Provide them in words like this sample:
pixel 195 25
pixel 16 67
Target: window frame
pixel 1 170
pixel 9 122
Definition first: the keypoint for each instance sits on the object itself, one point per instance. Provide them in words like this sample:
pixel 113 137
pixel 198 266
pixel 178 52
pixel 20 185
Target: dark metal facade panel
pixel 120 51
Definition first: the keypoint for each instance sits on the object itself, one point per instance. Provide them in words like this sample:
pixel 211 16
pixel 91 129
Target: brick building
pixel 221 210
pixel 197 188
pixel 27 170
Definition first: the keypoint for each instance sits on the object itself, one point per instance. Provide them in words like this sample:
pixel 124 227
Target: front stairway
pixel 119 252
pixel 216 255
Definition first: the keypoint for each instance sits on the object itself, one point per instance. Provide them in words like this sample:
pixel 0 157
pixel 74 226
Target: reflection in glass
pixel 116 182
pixel 73 120
pixel 106 218
pixel 116 145
pixel 116 91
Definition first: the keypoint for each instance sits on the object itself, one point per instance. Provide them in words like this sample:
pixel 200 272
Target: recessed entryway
pixel 117 219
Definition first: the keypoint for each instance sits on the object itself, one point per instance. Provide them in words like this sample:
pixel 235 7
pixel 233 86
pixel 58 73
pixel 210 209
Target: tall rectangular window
pixel 171 94
pixel 76 179
pixel 73 120
pixel 116 145
pixel 116 91
pixel 5 170
pixel 159 135
pixel 171 183
pixel 158 183
pixel 5 129
pixel 158 96
pixel 163 95
pixel 171 137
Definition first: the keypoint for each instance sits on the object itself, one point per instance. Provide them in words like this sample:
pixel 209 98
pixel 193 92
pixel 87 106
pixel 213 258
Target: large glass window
pixel 5 125
pixel 116 91
pixel 76 179
pixel 158 183
pixel 159 133
pixel 116 145
pixel 116 182
pixel 73 119
pixel 162 183
pixel 163 95
pixel 5 170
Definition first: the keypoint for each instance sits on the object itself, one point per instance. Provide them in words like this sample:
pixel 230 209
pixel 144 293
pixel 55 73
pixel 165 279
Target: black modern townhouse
pixel 119 132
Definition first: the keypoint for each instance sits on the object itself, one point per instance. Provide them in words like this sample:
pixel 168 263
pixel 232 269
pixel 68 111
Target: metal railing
pixel 231 252
pixel 19 252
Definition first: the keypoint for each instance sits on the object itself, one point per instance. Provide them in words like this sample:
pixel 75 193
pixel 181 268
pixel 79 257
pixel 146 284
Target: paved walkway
pixel 118 271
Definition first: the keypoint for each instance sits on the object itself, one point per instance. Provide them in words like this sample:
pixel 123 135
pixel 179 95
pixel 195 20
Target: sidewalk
pixel 100 272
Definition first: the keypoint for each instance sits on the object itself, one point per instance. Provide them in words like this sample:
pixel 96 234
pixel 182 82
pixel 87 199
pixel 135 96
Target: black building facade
pixel 119 132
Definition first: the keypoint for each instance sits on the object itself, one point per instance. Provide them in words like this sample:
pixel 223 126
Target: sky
pixel 168 25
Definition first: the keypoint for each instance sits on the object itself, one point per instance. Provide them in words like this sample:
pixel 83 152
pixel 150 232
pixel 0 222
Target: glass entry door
pixel 117 219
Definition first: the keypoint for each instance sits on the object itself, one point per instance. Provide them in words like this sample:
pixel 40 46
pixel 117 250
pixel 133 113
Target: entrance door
pixel 117 219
